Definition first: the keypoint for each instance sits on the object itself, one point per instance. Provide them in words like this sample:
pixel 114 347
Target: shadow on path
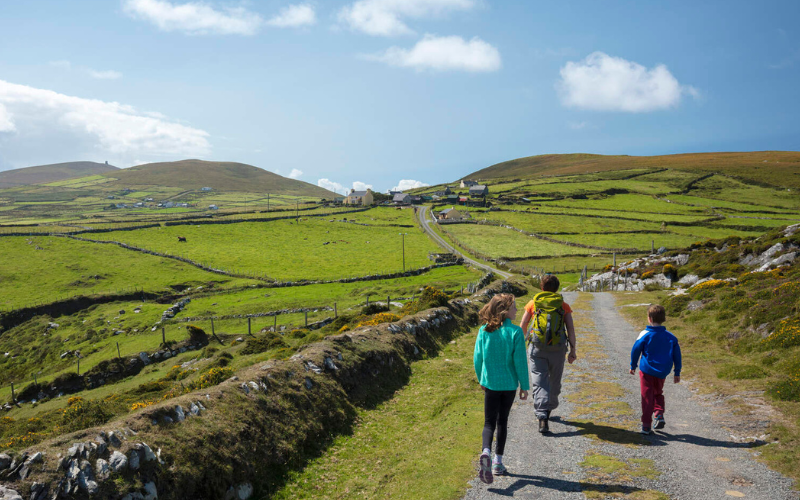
pixel 658 438
pixel 524 481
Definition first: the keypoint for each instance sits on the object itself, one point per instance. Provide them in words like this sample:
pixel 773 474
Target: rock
pixel 5 461
pixel 113 439
pixel 179 414
pixel 314 368
pixel 36 458
pixel 778 261
pixel 244 491
pixel 150 491
pixel 38 491
pixel 102 469
pixel 194 409
pixel 309 384
pixel 133 459
pixel 689 280
pixel 661 250
pixel 329 364
pixel 133 496
pixel 9 494
pixel 73 469
pixel 144 357
pixel 695 305
pixel 168 420
pixel 117 461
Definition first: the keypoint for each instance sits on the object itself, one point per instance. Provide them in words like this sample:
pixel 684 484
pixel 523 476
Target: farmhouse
pixel 450 214
pixel 359 198
pixel 445 192
pixel 416 199
pixel 206 189
pixel 213 207
pixel 478 190
pixel 468 183
pixel 401 199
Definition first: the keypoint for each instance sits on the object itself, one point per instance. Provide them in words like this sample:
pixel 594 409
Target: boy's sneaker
pixel 660 422
pixel 485 474
pixel 645 430
pixel 543 425
pixel 499 470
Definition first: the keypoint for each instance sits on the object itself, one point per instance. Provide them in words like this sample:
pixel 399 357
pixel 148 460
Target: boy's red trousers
pixel 652 389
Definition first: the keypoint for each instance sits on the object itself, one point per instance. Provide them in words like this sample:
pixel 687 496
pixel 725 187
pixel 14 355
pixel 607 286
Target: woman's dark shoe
pixel 543 425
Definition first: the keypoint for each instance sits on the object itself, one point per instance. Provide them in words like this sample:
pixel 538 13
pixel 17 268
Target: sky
pixel 392 93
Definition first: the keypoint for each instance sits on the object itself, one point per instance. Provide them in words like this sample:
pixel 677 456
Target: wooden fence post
pixel 335 312
pixel 275 326
pixel 306 314
pixel 164 336
pixel 388 302
pixel 367 300
pixel 79 366
pixel 249 330
pixel 13 395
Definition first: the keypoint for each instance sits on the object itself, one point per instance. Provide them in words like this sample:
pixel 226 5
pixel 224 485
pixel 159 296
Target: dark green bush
pixel 374 308
pixel 270 340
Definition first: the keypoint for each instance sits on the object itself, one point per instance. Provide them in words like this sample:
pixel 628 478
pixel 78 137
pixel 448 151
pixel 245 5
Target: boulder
pixel 689 280
pixel 133 459
pixel 144 357
pixel 9 494
pixel 179 414
pixel 695 305
pixel 117 461
pixel 101 468
pixel 150 491
pixel 5 461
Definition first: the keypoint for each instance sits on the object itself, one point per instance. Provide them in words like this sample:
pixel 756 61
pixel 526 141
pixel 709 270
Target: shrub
pixel 374 308
pixel 211 378
pixel 787 334
pixel 80 414
pixel 741 372
pixel 648 274
pixel 223 359
pixel 270 340
pixel 154 386
pixel 675 305
pixel 787 389
pixel 177 373
pixel 298 333
pixel 379 318
pixel 196 333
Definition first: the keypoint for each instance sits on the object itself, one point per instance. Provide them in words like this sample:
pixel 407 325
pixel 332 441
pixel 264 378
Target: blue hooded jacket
pixel 659 350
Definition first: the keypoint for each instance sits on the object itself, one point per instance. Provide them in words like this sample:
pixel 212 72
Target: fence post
pixel 388 302
pixel 13 395
pixel 306 313
pixel 35 382
pixel 335 312
pixel 615 259
pixel 164 335
pixel 249 331
pixel 79 366
pixel 275 326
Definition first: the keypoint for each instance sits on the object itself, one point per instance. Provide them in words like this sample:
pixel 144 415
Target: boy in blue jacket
pixel 659 351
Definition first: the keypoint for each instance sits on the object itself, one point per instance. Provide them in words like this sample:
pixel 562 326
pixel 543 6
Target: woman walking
pixel 501 367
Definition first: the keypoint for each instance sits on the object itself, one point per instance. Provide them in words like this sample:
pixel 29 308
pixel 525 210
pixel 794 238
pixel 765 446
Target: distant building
pixel 450 214
pixel 468 183
pixel 206 189
pixel 169 204
pixel 451 198
pixel 478 190
pixel 401 199
pixel 359 198
pixel 444 192
pixel 416 199
pixel 213 207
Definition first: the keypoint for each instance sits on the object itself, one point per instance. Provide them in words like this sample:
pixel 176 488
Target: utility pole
pixel 404 250
pixel 267 202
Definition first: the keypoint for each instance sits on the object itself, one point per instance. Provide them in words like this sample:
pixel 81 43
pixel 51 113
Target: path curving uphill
pixel 424 221
pixel 594 450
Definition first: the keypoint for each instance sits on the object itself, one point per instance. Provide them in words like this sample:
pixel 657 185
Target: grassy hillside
pixel 777 168
pixel 221 176
pixel 43 174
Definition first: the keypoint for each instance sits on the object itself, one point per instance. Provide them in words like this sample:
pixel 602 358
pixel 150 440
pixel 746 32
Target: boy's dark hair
pixel 550 283
pixel 657 314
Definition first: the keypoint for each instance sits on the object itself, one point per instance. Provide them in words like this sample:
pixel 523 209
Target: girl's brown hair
pixel 494 313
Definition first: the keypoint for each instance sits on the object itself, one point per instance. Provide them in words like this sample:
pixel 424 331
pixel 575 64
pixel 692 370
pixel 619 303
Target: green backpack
pixel 547 323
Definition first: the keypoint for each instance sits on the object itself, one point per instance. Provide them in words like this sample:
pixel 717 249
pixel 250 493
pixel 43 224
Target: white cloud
pixel 194 18
pixel 578 125
pixel 52 126
pixel 105 75
pixel 296 174
pixel 330 185
pixel 294 16
pixel 405 184
pixel 447 53
pixel 6 122
pixel 605 83
pixel 339 188
pixel 385 17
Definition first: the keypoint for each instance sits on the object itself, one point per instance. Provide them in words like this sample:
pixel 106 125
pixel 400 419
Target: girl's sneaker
pixel 499 469
pixel 645 430
pixel 660 422
pixel 485 474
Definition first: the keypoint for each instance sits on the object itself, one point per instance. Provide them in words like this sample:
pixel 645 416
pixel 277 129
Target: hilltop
pixel 219 175
pixel 776 168
pixel 43 174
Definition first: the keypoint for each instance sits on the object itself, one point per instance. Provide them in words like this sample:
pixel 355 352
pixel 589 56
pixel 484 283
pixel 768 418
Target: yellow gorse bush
pixel 379 319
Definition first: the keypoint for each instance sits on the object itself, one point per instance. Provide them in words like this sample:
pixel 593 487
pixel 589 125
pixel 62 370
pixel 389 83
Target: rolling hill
pixel 42 174
pixel 221 176
pixel 776 168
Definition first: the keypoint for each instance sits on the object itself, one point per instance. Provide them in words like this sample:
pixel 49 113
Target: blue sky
pixel 373 92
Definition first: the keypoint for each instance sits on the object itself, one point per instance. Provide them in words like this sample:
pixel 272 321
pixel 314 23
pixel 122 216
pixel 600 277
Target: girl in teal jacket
pixel 501 366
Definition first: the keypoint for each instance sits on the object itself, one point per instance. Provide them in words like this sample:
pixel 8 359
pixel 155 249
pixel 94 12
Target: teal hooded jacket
pixel 501 363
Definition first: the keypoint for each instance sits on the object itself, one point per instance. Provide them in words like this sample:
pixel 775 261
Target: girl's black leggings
pixel 496 407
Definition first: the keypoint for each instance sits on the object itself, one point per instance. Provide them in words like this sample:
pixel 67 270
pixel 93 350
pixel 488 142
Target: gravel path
pixel 695 456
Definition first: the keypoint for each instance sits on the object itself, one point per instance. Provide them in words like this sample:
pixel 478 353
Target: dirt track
pixel 694 457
